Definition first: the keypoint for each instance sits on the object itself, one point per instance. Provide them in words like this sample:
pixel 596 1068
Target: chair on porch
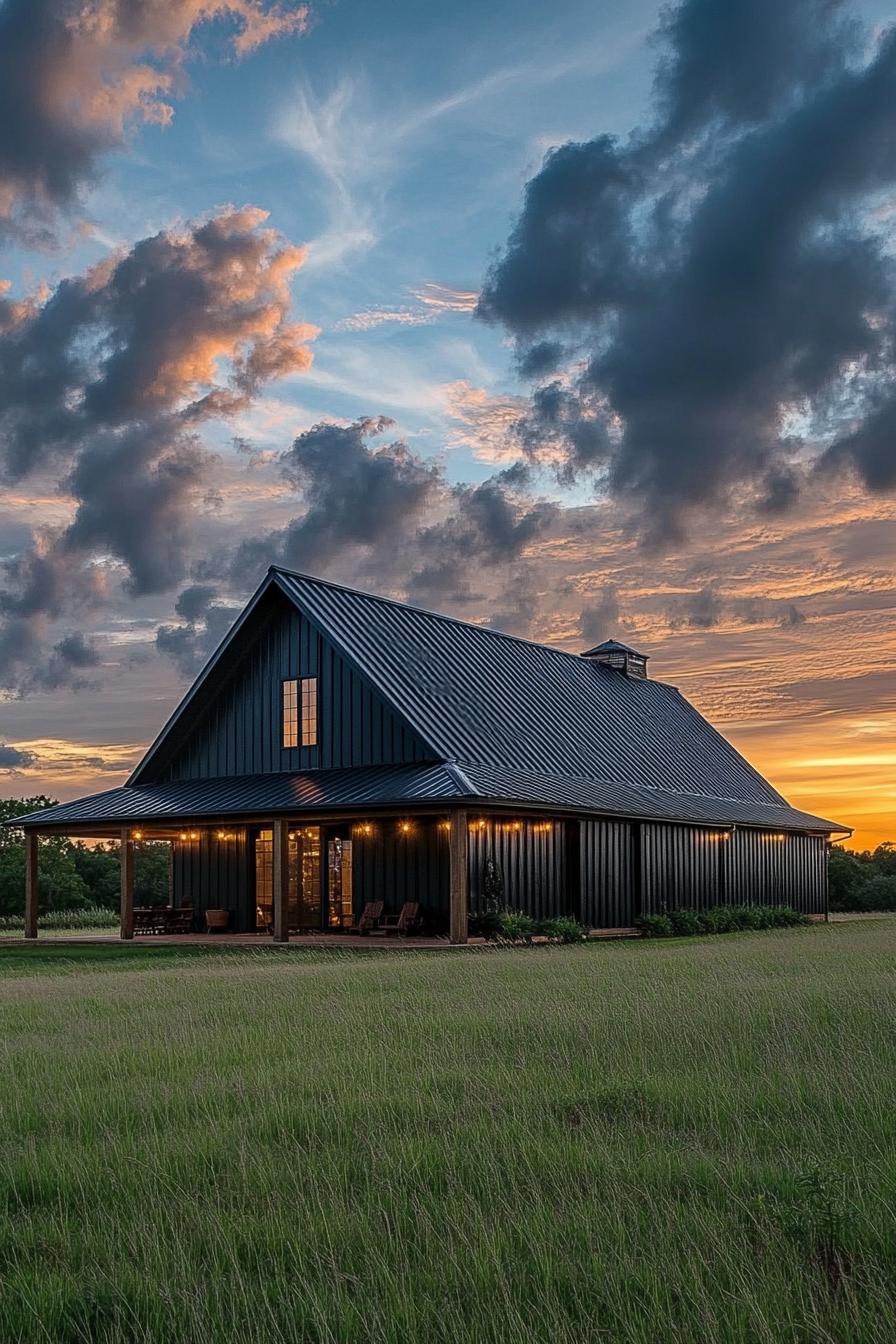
pixel 369 918
pixel 181 919
pixel 408 920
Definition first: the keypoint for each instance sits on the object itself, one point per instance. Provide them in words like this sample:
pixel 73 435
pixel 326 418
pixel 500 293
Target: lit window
pixel 309 711
pixel 290 714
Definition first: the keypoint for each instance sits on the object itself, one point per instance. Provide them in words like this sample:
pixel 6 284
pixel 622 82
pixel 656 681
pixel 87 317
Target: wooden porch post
pixel 126 855
pixel 280 881
pixel 31 884
pixel 459 870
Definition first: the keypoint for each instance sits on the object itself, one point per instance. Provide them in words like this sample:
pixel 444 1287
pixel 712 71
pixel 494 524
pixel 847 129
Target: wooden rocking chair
pixel 369 918
pixel 408 920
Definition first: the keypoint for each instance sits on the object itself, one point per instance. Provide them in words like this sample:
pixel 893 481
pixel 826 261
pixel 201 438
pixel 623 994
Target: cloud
pixel 600 619
pixel 369 318
pixel 720 278
pixel 445 299
pixel 355 496
pixel 384 516
pixel 12 759
pixel 74 74
pixel 486 528
pixel 107 383
pixel 205 623
pixel 485 423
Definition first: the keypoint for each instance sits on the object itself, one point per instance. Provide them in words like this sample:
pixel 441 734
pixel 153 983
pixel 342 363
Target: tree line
pixel 863 879
pixel 74 876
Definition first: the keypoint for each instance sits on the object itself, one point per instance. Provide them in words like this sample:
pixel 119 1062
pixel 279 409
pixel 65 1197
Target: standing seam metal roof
pixel 366 787
pixel 480 696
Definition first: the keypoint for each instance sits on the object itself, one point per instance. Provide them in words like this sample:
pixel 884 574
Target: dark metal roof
pixel 475 695
pixel 248 795
pixel 583 795
pixel 190 801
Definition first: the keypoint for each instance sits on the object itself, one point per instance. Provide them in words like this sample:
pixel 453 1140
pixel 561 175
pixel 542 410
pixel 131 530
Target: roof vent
pixel 620 656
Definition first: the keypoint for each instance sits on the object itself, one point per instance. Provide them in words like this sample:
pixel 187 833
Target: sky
pixel 577 321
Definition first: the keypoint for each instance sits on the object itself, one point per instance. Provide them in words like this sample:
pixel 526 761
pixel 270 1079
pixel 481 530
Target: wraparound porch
pixel 306 877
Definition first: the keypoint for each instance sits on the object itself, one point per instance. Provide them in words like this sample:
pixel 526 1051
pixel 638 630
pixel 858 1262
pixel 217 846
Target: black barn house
pixel 340 748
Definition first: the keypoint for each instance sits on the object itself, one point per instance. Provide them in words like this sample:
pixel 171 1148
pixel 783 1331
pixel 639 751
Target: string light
pixel 183 835
pixel 404 827
pixel 364 828
pixel 138 835
pixel 444 825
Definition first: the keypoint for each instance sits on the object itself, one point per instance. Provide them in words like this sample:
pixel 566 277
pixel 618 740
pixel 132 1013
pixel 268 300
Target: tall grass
pixel 68 921
pixel 633 1142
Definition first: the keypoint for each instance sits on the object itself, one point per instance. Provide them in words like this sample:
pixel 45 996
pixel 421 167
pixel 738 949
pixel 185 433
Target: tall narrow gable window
pixel 290 714
pixel 309 711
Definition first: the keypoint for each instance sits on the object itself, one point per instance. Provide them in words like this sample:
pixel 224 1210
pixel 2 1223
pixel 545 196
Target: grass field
pixel 691 1141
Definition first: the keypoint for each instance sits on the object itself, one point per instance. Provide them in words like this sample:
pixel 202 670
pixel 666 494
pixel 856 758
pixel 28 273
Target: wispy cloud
pixel 445 299
pixel 369 318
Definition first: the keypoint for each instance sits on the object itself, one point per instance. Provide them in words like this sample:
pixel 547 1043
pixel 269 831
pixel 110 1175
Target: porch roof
pixel 421 785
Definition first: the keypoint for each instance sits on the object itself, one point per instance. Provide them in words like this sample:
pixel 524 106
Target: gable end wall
pixel 236 728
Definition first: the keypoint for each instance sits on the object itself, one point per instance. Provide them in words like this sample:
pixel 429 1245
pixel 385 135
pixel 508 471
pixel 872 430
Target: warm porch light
pixel 444 825
pixel 405 827
pixel 364 828
pixel 138 835
pixel 182 836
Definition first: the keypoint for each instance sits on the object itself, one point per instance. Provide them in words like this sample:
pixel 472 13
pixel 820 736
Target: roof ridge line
pixel 428 611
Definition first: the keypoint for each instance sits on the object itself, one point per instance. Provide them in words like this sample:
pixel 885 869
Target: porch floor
pixel 298 941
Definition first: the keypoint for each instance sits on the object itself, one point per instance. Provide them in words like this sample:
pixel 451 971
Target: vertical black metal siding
pixel 697 868
pixel 390 866
pixel 213 874
pixel 680 866
pixel 609 893
pixel 532 864
pixel 768 869
pixel 240 732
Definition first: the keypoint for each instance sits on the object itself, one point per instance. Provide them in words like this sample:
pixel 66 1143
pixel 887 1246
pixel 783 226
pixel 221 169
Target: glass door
pixel 304 907
pixel 340 911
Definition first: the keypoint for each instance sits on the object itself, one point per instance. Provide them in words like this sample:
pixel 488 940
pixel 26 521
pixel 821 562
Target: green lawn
pixel 692 1141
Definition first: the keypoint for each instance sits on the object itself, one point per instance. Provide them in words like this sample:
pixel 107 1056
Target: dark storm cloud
pixel 75 73
pixel 386 517
pixel 721 274
pixel 355 495
pixel 487 526
pixel 206 622
pixel 600 620
pixel 11 758
pixel 106 383
pixel 707 608
pixel 396 510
